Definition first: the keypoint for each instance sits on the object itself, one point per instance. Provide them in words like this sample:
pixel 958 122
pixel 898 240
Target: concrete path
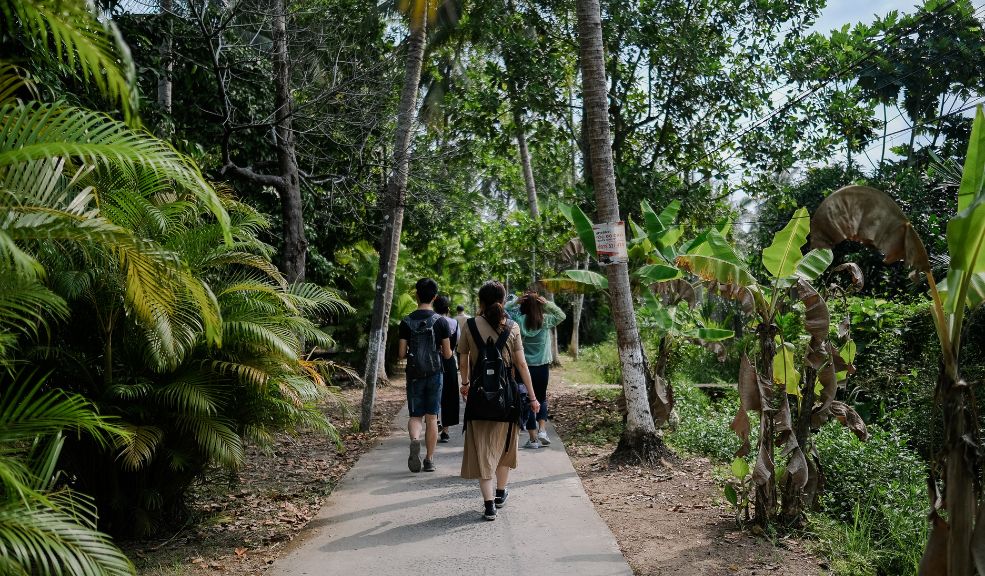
pixel 384 520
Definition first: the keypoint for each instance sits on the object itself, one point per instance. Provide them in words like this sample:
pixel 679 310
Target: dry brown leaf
pixel 869 216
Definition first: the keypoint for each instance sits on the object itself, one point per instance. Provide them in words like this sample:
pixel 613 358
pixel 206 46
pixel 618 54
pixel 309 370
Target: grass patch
pixel 703 427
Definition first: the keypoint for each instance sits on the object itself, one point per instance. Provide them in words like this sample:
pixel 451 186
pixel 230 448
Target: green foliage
pixel 875 494
pixel 704 424
pixel 782 256
pixel 46 528
pixel 605 358
pixel 70 34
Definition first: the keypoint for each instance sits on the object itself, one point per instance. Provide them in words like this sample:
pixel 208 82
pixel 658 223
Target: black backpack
pixel 493 393
pixel 423 358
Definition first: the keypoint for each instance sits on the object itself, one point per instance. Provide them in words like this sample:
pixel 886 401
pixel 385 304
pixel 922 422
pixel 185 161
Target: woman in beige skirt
pixel 490 447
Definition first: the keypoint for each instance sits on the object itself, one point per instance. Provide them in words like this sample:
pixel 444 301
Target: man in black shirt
pixel 423 337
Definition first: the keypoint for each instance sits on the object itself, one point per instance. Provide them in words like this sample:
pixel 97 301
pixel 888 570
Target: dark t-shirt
pixel 440 328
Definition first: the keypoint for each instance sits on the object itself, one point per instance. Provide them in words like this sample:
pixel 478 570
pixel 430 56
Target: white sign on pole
pixel 610 242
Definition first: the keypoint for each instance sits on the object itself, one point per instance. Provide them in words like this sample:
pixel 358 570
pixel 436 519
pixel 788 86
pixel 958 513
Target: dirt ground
pixel 240 524
pixel 668 520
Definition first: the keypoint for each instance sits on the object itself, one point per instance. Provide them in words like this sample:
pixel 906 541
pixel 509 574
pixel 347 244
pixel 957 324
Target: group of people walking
pixel 503 362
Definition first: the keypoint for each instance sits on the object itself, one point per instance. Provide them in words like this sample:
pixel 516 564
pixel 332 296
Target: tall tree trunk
pixel 164 84
pixel 639 437
pixel 295 248
pixel 574 140
pixel 579 305
pixel 526 164
pixel 393 214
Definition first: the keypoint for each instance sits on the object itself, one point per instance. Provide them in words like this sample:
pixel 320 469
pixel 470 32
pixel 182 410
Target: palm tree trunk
pixel 164 84
pixel 579 305
pixel 295 248
pixel 394 216
pixel 639 437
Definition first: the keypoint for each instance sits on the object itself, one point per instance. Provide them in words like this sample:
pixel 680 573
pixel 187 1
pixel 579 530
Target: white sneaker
pixel 532 444
pixel 542 437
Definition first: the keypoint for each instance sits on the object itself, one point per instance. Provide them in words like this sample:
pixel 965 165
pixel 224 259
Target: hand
pixel 541 299
pixel 464 390
pixel 535 406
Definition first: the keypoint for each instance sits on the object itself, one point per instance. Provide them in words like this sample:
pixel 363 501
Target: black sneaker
pixel 501 496
pixel 428 465
pixel 490 512
pixel 414 460
pixel 444 437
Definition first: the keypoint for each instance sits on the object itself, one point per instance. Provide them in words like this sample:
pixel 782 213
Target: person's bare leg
pixel 431 434
pixel 488 488
pixel 414 426
pixel 502 477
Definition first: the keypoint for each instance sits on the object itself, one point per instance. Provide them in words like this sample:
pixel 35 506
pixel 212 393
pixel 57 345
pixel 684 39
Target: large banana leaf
pixel 781 257
pixel 576 282
pixel 785 370
pixel 965 284
pixel 593 279
pixel 813 264
pixel 660 226
pixel 715 260
pixel 712 334
pixel 871 217
pixel 582 224
pixel 974 164
pixel 658 273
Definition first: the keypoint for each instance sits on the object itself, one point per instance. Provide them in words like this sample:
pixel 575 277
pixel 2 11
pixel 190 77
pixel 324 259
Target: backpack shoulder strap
pixel 474 330
pixel 504 335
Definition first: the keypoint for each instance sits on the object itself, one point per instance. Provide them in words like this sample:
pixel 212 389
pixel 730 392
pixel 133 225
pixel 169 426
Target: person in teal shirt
pixel 536 316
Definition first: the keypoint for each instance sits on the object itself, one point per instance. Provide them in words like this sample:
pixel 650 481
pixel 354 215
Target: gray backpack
pixel 423 357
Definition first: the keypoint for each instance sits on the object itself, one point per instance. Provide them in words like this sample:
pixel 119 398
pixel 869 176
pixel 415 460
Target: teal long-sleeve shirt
pixel 537 343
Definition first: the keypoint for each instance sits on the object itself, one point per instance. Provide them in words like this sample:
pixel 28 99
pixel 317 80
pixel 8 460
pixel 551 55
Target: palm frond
pixel 41 540
pixel 79 40
pixel 251 375
pixel 27 411
pixel 39 131
pixel 139 446
pixel 215 437
pixel 314 299
pixel 14 80
pixel 192 393
pixel 26 305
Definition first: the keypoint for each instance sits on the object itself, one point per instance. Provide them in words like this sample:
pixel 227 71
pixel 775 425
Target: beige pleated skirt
pixel 486 448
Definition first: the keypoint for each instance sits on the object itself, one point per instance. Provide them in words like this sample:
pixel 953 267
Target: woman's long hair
pixel 492 295
pixel 533 310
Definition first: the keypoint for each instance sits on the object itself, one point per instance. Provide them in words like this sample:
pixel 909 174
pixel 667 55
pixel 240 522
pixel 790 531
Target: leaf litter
pixel 239 523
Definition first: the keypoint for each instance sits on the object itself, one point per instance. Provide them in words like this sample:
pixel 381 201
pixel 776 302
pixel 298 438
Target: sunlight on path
pixel 385 520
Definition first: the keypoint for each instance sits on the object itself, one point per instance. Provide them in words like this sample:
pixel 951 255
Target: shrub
pixel 876 487
pixel 704 424
pixel 604 358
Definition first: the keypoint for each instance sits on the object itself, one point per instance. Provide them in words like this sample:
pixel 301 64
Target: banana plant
pixel 674 317
pixel 956 546
pixel 768 387
pixel 652 249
